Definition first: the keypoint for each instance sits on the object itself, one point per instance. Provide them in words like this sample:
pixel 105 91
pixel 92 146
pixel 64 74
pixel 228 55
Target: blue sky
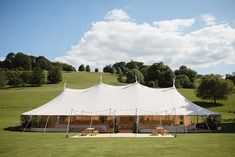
pixel 55 28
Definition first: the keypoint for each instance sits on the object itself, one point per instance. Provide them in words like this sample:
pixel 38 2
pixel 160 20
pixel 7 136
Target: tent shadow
pixel 205 104
pixel 13 129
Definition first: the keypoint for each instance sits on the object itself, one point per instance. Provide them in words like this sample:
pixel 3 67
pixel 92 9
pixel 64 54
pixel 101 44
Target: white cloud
pixel 2 58
pixel 110 41
pixel 174 25
pixel 209 19
pixel 117 15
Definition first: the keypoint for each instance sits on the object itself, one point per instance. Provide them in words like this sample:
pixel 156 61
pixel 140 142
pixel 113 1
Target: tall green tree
pixel 38 77
pixel 22 61
pixel 134 74
pixel 183 70
pixel 96 70
pixel 213 87
pixel 182 81
pixel 14 78
pixel 88 69
pixel 160 73
pixel 3 78
pixel 54 75
pixel 81 68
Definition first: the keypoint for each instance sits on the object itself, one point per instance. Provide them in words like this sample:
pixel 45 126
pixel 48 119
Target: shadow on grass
pixel 207 104
pixel 14 128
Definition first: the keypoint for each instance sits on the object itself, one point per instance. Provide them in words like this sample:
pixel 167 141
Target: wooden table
pixel 160 130
pixel 90 131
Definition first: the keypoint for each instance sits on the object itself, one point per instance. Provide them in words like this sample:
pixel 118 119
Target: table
pixel 160 130
pixel 90 131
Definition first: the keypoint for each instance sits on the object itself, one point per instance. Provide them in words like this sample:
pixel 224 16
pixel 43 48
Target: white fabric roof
pixel 132 99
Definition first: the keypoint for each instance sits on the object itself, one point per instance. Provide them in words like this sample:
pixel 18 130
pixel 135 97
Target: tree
pixel 38 77
pixel 213 87
pixel 14 78
pixel 182 81
pixel 231 77
pixel 120 78
pixel 134 74
pixel 134 65
pixel 9 61
pixel 22 61
pixel 160 73
pixel 3 78
pixel 81 68
pixel 54 75
pixel 42 62
pixel 88 68
pixel 186 71
pixel 119 71
pixel 109 69
pixel 96 70
pixel 26 76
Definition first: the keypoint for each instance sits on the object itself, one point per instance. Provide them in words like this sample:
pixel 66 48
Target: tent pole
pixel 185 128
pixel 110 120
pixel 114 121
pixel 67 130
pixel 137 123
pixel 27 123
pixel 207 125
pixel 176 130
pixel 46 124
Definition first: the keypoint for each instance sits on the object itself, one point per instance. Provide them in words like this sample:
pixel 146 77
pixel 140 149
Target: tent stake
pixel 27 124
pixel 46 124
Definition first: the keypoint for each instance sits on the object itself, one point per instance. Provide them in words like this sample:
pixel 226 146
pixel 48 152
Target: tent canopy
pixel 132 99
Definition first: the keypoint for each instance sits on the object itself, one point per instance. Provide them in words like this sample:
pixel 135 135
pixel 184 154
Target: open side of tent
pixel 130 100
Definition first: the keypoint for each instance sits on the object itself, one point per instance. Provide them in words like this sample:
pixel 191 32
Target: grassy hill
pixel 14 101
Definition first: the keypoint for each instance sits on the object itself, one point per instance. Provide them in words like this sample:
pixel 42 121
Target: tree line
pixel 24 62
pixel 21 70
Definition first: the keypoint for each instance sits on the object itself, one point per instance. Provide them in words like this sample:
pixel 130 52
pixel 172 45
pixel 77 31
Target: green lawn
pixel 14 101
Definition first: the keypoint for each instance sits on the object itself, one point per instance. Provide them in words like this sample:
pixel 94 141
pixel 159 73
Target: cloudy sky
pixel 199 34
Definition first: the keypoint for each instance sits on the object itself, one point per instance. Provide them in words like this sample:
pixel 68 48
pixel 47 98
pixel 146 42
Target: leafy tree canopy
pixel 213 87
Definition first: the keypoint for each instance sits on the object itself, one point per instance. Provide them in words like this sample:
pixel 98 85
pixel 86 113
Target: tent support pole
pixel 110 110
pixel 185 128
pixel 67 130
pixel 114 121
pixel 91 122
pixel 46 124
pixel 137 123
pixel 207 125
pixel 176 130
pixel 27 123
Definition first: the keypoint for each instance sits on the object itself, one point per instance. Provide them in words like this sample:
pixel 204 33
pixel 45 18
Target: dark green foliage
pixel 9 61
pixel 54 75
pixel 109 69
pixel 42 62
pixel 38 77
pixel 119 71
pixel 134 74
pixel 22 62
pixel 231 77
pixel 134 65
pixel 26 76
pixel 182 81
pixel 88 68
pixel 120 78
pixel 186 71
pixel 96 70
pixel 3 78
pixel 14 78
pixel 213 87
pixel 119 64
pixel 81 68
pixel 160 73
pixel 152 84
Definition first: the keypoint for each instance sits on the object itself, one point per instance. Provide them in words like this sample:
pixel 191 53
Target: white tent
pixel 132 99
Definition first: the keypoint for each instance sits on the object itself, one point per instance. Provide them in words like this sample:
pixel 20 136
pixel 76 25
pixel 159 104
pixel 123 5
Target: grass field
pixel 14 101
